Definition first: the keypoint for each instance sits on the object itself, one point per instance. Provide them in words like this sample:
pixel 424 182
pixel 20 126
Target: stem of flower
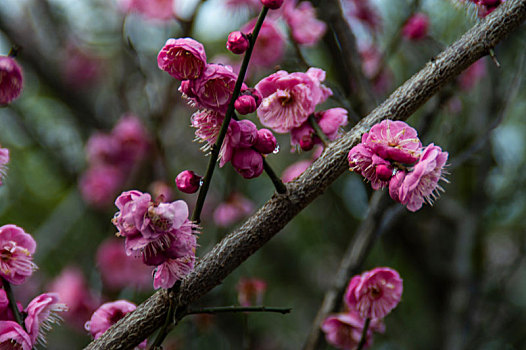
pixel 12 303
pixel 196 216
pixel 364 334
pixel 278 184
pixel 318 130
pixel 221 309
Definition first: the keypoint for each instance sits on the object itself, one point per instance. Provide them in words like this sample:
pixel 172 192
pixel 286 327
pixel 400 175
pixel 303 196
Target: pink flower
pixel 102 148
pixel 289 99
pixel 416 27
pixel 331 121
pixel 41 315
pixel 233 209
pixel 99 184
pixel 305 28
pixel 304 137
pixel 188 182
pixel 250 291
pixel 374 293
pixel 421 184
pixel 183 58
pixel 208 124
pixel 237 42
pixel 363 160
pixel 118 270
pixel 13 336
pixel 11 80
pixel 295 170
pixel 247 162
pixel 107 315
pixel 472 75
pixel 270 43
pixel 344 330
pixel 172 270
pixel 394 140
pixel 17 248
pixel 74 292
pixel 213 89
pixel 265 141
pixel 4 159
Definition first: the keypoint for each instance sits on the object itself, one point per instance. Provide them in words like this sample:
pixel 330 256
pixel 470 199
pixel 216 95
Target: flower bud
pixel 237 42
pixel 245 104
pixel 265 142
pixel 272 4
pixel 384 172
pixel 188 182
pixel 247 162
pixel 307 142
pixel 11 80
pixel 416 27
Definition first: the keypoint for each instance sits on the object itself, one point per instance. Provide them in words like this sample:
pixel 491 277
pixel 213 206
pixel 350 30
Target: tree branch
pixel 228 254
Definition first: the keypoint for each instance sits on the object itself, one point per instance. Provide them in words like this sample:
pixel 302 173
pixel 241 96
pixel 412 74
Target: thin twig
pixel 319 132
pixel 363 338
pixel 233 308
pixel 12 303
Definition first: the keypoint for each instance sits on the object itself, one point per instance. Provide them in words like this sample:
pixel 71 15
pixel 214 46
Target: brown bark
pixel 280 209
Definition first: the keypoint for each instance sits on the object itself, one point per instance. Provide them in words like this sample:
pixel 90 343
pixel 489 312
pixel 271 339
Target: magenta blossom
pixel 289 99
pixel 13 336
pixel 233 209
pixel 364 161
pixel 270 44
pixel 394 140
pixel 183 58
pixel 374 293
pixel 172 270
pixel 245 104
pixel 416 27
pixel 4 159
pixel 247 162
pixel 11 80
pixel 421 184
pixel 118 270
pixel 188 182
pixel 265 142
pixel 107 315
pixel 41 315
pixel 344 330
pixel 208 124
pixel 305 28
pixel 17 249
pixel 237 42
pixel 250 291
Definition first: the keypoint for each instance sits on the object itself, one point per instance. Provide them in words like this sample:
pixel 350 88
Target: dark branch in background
pixel 223 309
pixel 228 254
pixel 340 39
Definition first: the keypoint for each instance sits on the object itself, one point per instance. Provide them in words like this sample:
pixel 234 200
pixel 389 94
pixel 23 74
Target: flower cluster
pixel 391 154
pixel 111 157
pixel 107 315
pixel 16 266
pixel 369 296
pixel 160 233
pixel 11 80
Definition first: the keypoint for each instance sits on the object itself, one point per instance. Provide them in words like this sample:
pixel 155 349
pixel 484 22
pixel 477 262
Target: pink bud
pixel 188 182
pixel 307 142
pixel 243 133
pixel 248 162
pixel 237 42
pixel 11 80
pixel 245 104
pixel 272 4
pixel 384 172
pixel 416 27
pixel 265 142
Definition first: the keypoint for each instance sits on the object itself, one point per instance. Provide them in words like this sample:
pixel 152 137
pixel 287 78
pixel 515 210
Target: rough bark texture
pixel 280 209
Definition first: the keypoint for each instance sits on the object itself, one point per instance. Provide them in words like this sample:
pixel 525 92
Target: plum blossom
pixel 17 249
pixel 270 44
pixel 11 80
pixel 237 42
pixel 305 28
pixel 4 159
pixel 344 330
pixel 265 141
pixel 182 58
pixel 13 336
pixel 107 315
pixel 374 293
pixel 172 270
pixel 289 99
pixel 188 182
pixel 250 291
pixel 247 162
pixel 41 315
pixel 421 184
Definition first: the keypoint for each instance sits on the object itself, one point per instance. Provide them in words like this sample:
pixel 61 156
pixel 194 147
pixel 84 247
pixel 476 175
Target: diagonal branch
pixel 228 254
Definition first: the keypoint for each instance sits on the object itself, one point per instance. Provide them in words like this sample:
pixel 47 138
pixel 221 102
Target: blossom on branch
pixel 17 249
pixel 11 80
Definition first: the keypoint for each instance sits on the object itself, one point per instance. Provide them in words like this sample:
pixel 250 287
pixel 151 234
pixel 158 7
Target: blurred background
pixel 90 67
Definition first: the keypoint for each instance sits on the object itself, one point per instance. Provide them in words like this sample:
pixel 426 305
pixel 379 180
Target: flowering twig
pixel 214 154
pixel 12 303
pixel 221 309
pixel 234 249
pixel 318 131
pixel 363 338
